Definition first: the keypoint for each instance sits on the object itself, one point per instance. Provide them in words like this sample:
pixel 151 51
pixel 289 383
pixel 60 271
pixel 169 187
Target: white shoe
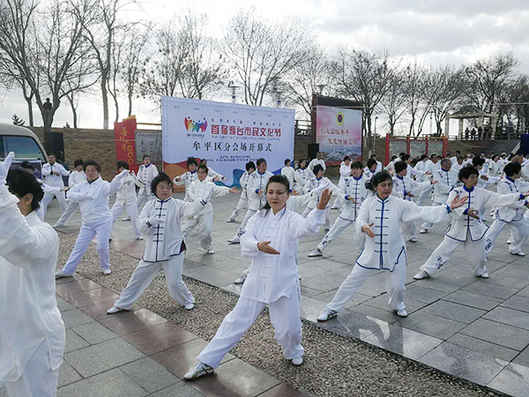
pixel 125 219
pixel 189 306
pixel 401 313
pixel 235 240
pixel 114 309
pixel 421 275
pixel 106 272
pixel 483 275
pixel 240 280
pixel 508 241
pixel 327 315
pixel 413 239
pixel 297 361
pixel 335 208
pixel 199 370
pixel 139 238
pixel 314 253
pixel 422 231
pixel 231 220
pixel 519 253
pixel 61 274
pixel 210 251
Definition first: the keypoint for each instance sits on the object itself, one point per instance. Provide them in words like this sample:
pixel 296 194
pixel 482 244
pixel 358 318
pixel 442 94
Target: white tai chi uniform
pixel 75 178
pixel 345 171
pixel 160 223
pixel 387 250
pixel 512 216
pixel 243 200
pixel 315 162
pixel 55 181
pixel 467 231
pixel 96 219
pixel 273 280
pixel 446 181
pixel 32 335
pixel 200 225
pixel 402 185
pixel 186 179
pixel 290 173
pixel 256 182
pixel 301 179
pixel 145 175
pixel 126 199
pixel 354 192
pixel 316 186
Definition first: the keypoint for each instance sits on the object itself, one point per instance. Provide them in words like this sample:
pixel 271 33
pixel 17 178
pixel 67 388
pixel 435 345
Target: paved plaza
pixel 474 329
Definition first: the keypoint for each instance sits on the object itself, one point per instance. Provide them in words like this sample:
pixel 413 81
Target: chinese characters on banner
pixel 226 135
pixel 124 134
pixel 339 132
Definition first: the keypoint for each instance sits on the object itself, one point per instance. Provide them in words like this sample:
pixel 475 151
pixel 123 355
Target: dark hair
pixel 346 158
pixel 317 168
pixel 260 161
pixel 370 163
pixel 378 178
pixel 52 154
pixel 512 168
pixel 423 156
pixel 21 182
pixel 287 161
pixel 203 167
pixel 477 161
pixel 446 161
pixel 357 164
pixel 122 164
pixel 77 162
pixel 466 172
pixel 276 179
pixel 250 165
pixel 161 177
pixel 399 166
pixel 92 163
pixel 27 165
pixel 191 161
pixel 145 156
pixel 405 157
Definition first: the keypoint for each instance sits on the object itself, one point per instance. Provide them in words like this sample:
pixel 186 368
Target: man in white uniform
pixel 126 197
pixel 32 335
pixel 52 173
pixel 146 173
pixel 243 200
pixel 96 217
pixel 76 177
pixel 188 177
pixel 289 172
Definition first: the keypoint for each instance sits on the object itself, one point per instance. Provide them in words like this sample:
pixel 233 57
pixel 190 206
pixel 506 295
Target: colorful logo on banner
pixel 195 126
pixel 339 118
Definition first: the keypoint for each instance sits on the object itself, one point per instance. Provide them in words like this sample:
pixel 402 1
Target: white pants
pixel 285 317
pixel 71 206
pixel 242 204
pixel 145 272
pixel 38 380
pixel 519 234
pixel 409 229
pixel 144 196
pixel 132 211
pixel 338 202
pixel 199 227
pixel 337 228
pixel 474 251
pixel 395 281
pixel 46 200
pixel 308 209
pixel 102 232
pixel 242 227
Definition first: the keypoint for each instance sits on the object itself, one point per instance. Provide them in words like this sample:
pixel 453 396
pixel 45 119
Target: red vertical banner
pixel 125 138
pixel 408 145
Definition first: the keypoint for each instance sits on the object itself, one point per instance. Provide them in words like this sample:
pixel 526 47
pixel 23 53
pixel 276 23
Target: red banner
pixel 124 134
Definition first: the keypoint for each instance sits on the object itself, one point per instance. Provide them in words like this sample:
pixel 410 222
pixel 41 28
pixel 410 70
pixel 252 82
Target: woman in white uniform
pixel 32 335
pixel 76 177
pixel 271 241
pixel 243 200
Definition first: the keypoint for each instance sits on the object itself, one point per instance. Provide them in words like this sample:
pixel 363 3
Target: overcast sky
pixel 434 32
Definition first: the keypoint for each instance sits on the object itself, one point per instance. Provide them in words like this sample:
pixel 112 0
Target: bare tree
pixel 414 81
pixel 393 104
pixel 261 53
pixel 364 77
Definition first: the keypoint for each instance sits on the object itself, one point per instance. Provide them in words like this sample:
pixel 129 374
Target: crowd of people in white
pixel 382 208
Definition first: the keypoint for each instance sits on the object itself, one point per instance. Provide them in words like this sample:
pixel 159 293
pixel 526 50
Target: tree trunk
pixel 104 96
pixel 30 111
pixel 74 112
pixel 130 105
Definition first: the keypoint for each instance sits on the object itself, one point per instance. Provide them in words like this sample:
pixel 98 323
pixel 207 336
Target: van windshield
pixel 24 147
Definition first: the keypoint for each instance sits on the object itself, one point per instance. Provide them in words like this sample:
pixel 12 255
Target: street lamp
pixel 233 90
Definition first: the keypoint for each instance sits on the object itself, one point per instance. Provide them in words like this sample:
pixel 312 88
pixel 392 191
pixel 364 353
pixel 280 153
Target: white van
pixel 24 143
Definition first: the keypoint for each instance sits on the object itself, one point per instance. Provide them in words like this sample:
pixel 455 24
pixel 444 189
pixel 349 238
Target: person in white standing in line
pixel 146 173
pixel 188 177
pixel 96 217
pixel 302 175
pixel 33 336
pixel 318 160
pixel 289 172
pixel 76 177
pixel 161 224
pixel 345 171
pixel 52 173
pixel 256 196
pixel 126 197
pixel 271 241
pixel 314 186
pixel 243 200
pixel 380 218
